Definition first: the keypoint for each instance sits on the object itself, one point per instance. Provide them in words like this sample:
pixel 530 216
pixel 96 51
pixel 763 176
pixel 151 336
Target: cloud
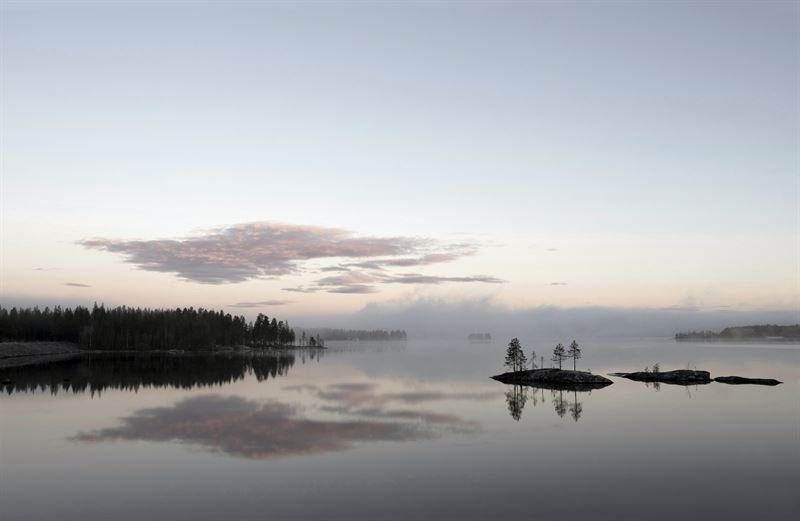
pixel 301 289
pixel 261 303
pixel 252 250
pixel 259 250
pixel 272 429
pixel 415 278
pixel 77 285
pixel 364 282
pixel 353 289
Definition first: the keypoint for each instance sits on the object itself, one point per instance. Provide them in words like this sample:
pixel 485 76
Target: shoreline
pixel 20 354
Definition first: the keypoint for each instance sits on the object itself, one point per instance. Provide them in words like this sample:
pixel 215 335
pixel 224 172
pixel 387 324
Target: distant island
pixel 479 338
pixel 358 334
pixel 744 333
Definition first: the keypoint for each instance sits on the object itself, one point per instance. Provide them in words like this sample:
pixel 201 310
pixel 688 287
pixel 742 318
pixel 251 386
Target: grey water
pixel 412 430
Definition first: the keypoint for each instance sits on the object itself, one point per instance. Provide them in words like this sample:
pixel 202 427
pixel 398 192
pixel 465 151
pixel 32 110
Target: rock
pixel 555 379
pixel 678 377
pixel 739 380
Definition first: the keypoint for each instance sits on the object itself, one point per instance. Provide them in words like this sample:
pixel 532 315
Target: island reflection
pixel 563 398
pixel 132 372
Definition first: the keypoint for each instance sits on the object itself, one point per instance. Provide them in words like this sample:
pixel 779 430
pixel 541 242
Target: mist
pixel 439 319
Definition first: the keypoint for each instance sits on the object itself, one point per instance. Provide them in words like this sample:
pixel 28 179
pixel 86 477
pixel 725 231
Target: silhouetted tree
pixel 559 355
pixel 515 358
pixel 574 352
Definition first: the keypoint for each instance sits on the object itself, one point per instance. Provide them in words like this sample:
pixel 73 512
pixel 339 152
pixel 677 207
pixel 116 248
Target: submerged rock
pixel 740 380
pixel 679 376
pixel 555 379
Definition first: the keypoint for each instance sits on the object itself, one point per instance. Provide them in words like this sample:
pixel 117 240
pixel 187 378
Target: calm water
pixel 400 431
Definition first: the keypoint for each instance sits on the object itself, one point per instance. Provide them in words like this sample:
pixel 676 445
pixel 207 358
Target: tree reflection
pixel 558 403
pixel 516 398
pixel 576 408
pixel 131 372
pixel 518 395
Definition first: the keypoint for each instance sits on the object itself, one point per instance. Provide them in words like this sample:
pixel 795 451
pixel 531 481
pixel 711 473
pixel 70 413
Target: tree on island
pixel 559 354
pixel 574 352
pixel 515 357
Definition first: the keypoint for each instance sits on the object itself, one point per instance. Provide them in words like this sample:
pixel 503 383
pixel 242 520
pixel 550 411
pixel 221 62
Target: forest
pixel 133 329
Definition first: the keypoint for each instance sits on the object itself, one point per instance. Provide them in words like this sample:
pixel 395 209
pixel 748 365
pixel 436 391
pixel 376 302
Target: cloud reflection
pixel 263 430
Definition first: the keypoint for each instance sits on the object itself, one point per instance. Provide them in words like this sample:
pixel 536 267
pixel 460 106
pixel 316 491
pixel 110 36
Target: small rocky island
pixel 740 380
pixel 692 377
pixel 558 378
pixel 552 378
pixel 680 376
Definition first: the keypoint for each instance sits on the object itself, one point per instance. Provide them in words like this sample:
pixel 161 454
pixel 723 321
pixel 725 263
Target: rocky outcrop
pixel 740 380
pixel 678 377
pixel 555 379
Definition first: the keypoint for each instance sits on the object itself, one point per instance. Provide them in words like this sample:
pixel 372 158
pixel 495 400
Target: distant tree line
pixel 358 334
pixel 765 331
pixel 128 328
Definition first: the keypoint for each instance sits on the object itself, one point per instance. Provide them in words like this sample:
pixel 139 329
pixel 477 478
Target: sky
pixel 321 159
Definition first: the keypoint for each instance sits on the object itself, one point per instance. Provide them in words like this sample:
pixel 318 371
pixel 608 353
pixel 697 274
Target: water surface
pixel 411 430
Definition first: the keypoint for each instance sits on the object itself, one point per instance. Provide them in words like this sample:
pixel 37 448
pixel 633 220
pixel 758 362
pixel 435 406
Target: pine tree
pixel 559 354
pixel 512 357
pixel 574 352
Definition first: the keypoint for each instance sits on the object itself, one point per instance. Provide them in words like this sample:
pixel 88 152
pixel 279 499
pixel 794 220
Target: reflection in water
pixel 96 373
pixel 576 409
pixel 262 430
pixel 517 397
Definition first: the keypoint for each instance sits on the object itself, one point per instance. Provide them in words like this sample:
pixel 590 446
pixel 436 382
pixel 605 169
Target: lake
pixel 412 430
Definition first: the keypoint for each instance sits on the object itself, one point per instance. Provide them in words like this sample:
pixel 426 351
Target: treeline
pixel 767 331
pixel 127 328
pixel 358 334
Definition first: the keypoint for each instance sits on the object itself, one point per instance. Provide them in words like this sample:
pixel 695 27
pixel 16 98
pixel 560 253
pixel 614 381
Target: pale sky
pixel 307 158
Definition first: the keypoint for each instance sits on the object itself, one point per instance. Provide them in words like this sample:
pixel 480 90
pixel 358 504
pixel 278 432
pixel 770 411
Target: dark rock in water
pixel 563 379
pixel 678 377
pixel 740 380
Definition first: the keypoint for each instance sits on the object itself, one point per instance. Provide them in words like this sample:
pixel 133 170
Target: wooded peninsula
pixel 142 329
